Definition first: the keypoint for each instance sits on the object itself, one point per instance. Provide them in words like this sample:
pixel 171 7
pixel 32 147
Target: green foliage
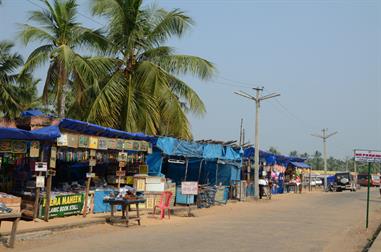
pixel 273 150
pixel 144 93
pixel 61 36
pixel 17 92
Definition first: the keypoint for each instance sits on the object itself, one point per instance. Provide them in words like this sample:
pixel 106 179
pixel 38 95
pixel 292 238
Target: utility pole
pixel 257 98
pixel 324 136
pixel 241 134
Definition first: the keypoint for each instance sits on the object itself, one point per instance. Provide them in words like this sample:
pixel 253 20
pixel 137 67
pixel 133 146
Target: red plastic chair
pixel 165 201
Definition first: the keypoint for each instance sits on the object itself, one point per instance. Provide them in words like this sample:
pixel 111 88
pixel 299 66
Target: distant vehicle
pixel 342 181
pixel 319 182
pixel 362 179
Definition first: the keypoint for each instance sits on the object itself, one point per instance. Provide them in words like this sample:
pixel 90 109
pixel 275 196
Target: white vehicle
pixel 319 182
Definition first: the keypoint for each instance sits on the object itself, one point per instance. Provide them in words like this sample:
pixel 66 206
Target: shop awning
pixel 19 134
pixel 301 165
pixel 97 130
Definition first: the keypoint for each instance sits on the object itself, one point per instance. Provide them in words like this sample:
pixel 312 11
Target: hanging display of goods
pixel 19 147
pixel 72 140
pixel 143 146
pixel 92 162
pixel 122 156
pixel 83 141
pixel 62 140
pixel 149 151
pixel 128 144
pixel 5 146
pixel 102 143
pixel 120 144
pixel 136 145
pixel 93 153
pixel 111 144
pixel 93 142
pixel 53 157
pixel 34 149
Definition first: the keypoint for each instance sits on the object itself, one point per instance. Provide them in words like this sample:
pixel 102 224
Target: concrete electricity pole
pixel 257 98
pixel 325 137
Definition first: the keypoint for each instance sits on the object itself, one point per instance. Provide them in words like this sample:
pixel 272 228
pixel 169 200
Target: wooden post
pixel 37 192
pixel 48 191
pixel 310 181
pixel 87 192
pixel 186 169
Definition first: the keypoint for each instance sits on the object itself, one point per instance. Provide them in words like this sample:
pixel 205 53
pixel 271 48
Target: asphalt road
pixel 307 222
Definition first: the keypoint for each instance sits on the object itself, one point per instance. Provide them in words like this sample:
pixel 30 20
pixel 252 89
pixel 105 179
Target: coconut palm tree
pixel 17 92
pixel 145 92
pixel 61 37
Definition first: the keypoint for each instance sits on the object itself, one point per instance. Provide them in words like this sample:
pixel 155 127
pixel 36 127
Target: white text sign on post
pixel 189 188
pixel 368 156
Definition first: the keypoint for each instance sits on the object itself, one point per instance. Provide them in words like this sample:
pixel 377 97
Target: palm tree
pixel 61 36
pixel 145 93
pixel 17 92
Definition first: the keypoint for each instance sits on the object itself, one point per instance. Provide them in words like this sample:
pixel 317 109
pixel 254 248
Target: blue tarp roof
pixel 174 147
pixel 270 157
pixel 19 134
pixel 93 129
pixel 32 112
pixel 300 165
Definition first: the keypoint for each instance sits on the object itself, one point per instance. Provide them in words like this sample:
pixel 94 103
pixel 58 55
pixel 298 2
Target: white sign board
pixel 189 188
pixel 40 181
pixel 41 166
pixel 90 175
pixel 368 156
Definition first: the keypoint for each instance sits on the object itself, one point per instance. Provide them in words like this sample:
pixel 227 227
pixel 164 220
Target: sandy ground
pixel 308 222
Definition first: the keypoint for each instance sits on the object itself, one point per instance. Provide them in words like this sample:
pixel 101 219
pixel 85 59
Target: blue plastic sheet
pixel 37 135
pixel 154 162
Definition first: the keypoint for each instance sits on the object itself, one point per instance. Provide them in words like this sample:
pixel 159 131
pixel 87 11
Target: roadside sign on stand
pixel 189 188
pixel 367 156
pixel 41 166
pixel 40 181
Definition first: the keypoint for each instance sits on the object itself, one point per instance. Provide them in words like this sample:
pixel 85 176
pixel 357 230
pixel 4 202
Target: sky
pixel 323 57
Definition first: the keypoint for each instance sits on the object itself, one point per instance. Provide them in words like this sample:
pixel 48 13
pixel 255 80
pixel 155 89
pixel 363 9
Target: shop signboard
pixel 136 145
pixel 143 146
pixel 41 167
pixel 53 157
pixel 40 181
pixel 5 146
pixel 63 205
pixel 189 188
pixel 34 149
pixel 19 147
pixel 128 144
pixel 120 144
pixel 111 144
pixel 368 156
pixel 62 140
pixel 72 140
pixel 102 143
pixel 93 142
pixel 83 141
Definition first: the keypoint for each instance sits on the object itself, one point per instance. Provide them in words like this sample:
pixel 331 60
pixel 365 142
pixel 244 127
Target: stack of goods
pixel 10 202
pixel 206 196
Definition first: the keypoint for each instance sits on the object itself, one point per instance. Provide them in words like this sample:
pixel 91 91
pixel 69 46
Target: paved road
pixel 308 222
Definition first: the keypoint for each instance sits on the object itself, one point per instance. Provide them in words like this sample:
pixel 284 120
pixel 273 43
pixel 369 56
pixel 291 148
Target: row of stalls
pixel 68 167
pixel 285 172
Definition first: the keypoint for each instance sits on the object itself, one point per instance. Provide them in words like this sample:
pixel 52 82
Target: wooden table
pixel 125 203
pixel 15 218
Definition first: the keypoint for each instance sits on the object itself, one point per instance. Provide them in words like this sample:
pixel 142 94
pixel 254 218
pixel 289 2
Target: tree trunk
pixel 61 91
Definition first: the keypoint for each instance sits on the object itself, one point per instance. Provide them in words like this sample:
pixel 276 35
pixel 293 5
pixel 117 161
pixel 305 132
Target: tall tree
pixel 17 92
pixel 145 92
pixel 294 153
pixel 61 36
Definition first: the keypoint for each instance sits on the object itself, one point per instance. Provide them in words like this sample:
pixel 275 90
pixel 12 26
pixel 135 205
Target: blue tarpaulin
pixel 300 165
pixel 97 130
pixel 154 162
pixel 32 112
pixel 19 134
pixel 174 147
pixel 273 158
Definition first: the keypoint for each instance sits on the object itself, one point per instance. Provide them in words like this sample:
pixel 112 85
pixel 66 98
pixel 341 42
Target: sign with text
pixel 40 181
pixel 189 188
pixel 90 175
pixel 120 173
pixel 41 166
pixel 62 205
pixel 368 156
